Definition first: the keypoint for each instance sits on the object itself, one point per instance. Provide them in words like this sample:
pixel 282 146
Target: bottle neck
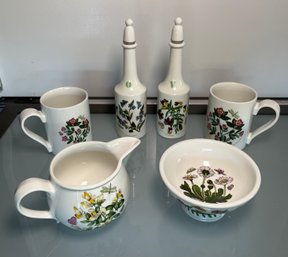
pixel 175 64
pixel 129 64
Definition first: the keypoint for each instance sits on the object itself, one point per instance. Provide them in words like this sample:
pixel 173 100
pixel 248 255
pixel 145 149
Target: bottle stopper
pixel 129 39
pixel 177 39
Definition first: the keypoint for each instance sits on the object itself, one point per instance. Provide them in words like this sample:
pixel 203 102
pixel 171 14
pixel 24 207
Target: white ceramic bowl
pixel 209 177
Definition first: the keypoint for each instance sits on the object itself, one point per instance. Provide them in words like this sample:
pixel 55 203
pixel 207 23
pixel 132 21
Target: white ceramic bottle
pixel 130 93
pixel 173 92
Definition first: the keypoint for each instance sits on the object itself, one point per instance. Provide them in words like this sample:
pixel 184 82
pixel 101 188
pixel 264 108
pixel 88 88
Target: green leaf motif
pixel 93 213
pixel 75 130
pixel 207 190
pixel 220 123
pixel 131 117
pixel 171 116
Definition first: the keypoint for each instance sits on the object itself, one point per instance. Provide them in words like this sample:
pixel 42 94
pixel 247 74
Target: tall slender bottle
pixel 173 92
pixel 130 93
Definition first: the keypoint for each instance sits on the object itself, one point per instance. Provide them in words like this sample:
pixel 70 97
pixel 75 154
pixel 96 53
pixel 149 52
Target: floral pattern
pixel 205 188
pixel 172 116
pixel 93 213
pixel 226 126
pixel 130 115
pixel 76 130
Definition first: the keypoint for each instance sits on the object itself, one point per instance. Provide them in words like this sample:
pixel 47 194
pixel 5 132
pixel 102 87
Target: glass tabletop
pixel 153 223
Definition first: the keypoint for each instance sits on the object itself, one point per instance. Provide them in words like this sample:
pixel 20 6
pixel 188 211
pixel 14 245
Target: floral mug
pixel 230 112
pixel 65 112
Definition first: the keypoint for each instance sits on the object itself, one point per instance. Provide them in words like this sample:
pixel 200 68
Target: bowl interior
pixel 226 166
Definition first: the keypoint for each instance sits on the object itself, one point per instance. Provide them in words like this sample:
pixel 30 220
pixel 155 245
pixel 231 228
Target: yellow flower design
pixel 93 213
pixel 78 213
pixel 87 196
pixel 119 194
pixel 86 204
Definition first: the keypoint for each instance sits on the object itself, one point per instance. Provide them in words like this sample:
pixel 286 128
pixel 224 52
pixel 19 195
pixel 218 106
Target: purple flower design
pixel 209 185
pixel 172 115
pixel 76 130
pixel 220 171
pixel 72 220
pixel 225 125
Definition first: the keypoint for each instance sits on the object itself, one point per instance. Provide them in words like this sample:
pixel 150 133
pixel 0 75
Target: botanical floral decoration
pixel 93 213
pixel 226 126
pixel 172 115
pixel 203 213
pixel 76 130
pixel 130 115
pixel 207 189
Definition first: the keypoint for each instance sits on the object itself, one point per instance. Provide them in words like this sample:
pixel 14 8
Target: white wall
pixel 45 44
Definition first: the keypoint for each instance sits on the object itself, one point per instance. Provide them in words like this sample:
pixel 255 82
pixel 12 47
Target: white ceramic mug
pixel 65 112
pixel 88 186
pixel 230 112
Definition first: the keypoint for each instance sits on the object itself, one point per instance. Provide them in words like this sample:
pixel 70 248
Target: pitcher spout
pixel 121 147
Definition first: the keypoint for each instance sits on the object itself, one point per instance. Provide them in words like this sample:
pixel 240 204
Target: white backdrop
pixel 45 44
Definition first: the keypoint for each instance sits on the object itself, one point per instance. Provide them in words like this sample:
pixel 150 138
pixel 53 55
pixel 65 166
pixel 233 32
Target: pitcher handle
pixel 29 186
pixel 27 113
pixel 259 105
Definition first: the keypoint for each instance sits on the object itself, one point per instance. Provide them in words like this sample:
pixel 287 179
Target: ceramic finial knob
pixel 177 38
pixel 129 39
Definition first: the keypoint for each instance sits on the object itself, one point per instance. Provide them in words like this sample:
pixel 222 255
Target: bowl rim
pixel 195 202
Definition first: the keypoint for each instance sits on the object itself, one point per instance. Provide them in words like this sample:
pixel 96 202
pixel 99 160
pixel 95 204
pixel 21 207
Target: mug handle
pixel 29 186
pixel 259 105
pixel 27 113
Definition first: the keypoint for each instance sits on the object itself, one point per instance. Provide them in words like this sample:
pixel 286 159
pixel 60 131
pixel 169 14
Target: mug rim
pixel 222 84
pixel 59 89
pixel 76 148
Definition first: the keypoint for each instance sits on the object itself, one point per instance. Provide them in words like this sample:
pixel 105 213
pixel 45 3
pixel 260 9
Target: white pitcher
pixel 88 184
